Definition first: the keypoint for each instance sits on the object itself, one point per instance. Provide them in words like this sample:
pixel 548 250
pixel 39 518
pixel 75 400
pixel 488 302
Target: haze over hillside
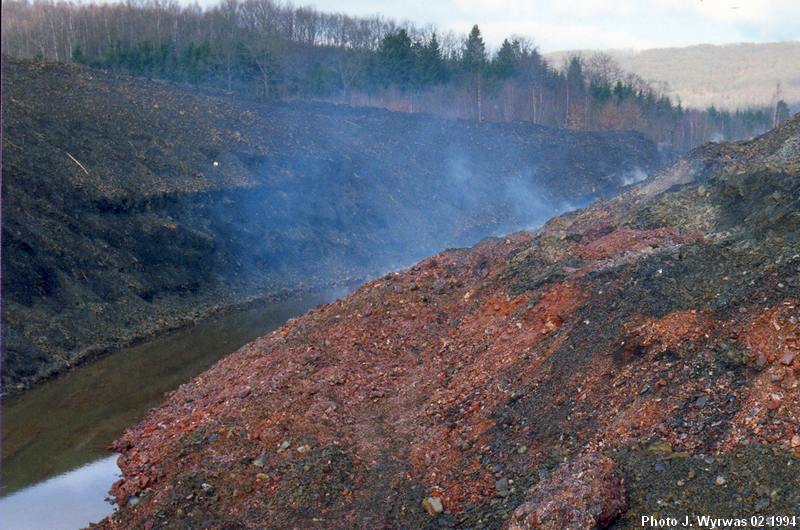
pixel 549 380
pixel 174 199
pixel 730 77
pixel 334 266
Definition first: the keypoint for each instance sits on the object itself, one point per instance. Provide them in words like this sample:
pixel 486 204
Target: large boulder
pixel 587 493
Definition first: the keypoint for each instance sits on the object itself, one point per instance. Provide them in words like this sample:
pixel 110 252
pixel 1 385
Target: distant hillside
pixel 729 77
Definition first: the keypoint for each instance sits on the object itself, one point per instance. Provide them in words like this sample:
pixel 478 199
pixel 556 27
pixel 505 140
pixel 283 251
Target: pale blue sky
pixel 568 24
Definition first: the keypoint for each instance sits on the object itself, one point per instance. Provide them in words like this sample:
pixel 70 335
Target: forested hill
pixel 264 49
pixel 729 77
pixel 132 206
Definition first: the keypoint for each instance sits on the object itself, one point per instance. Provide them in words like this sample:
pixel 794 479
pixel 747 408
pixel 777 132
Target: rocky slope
pixel 638 357
pixel 131 206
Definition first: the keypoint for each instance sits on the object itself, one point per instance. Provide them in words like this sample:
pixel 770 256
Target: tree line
pixel 265 49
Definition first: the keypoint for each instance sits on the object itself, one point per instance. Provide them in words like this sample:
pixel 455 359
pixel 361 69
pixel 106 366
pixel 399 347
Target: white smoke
pixel 632 176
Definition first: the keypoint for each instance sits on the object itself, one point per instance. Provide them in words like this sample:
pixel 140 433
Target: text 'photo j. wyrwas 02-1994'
pixel 379 265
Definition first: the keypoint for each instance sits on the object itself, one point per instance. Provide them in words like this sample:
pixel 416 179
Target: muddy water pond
pixel 55 457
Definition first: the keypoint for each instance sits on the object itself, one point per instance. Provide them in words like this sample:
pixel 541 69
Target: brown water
pixel 69 422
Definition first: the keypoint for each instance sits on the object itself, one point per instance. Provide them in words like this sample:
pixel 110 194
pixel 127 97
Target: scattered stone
pixel 787 358
pixel 774 401
pixel 502 487
pixel 284 446
pixel 720 480
pixel 761 361
pixel 433 505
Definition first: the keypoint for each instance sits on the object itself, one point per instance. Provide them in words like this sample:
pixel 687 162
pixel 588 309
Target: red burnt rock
pixel 584 494
pixel 787 358
pixel 774 401
pixel 427 382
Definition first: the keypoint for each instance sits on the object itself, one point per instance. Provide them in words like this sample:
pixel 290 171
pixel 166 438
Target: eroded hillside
pixel 131 207
pixel 649 341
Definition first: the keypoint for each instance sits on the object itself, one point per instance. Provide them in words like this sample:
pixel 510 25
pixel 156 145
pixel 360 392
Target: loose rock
pixel 433 505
